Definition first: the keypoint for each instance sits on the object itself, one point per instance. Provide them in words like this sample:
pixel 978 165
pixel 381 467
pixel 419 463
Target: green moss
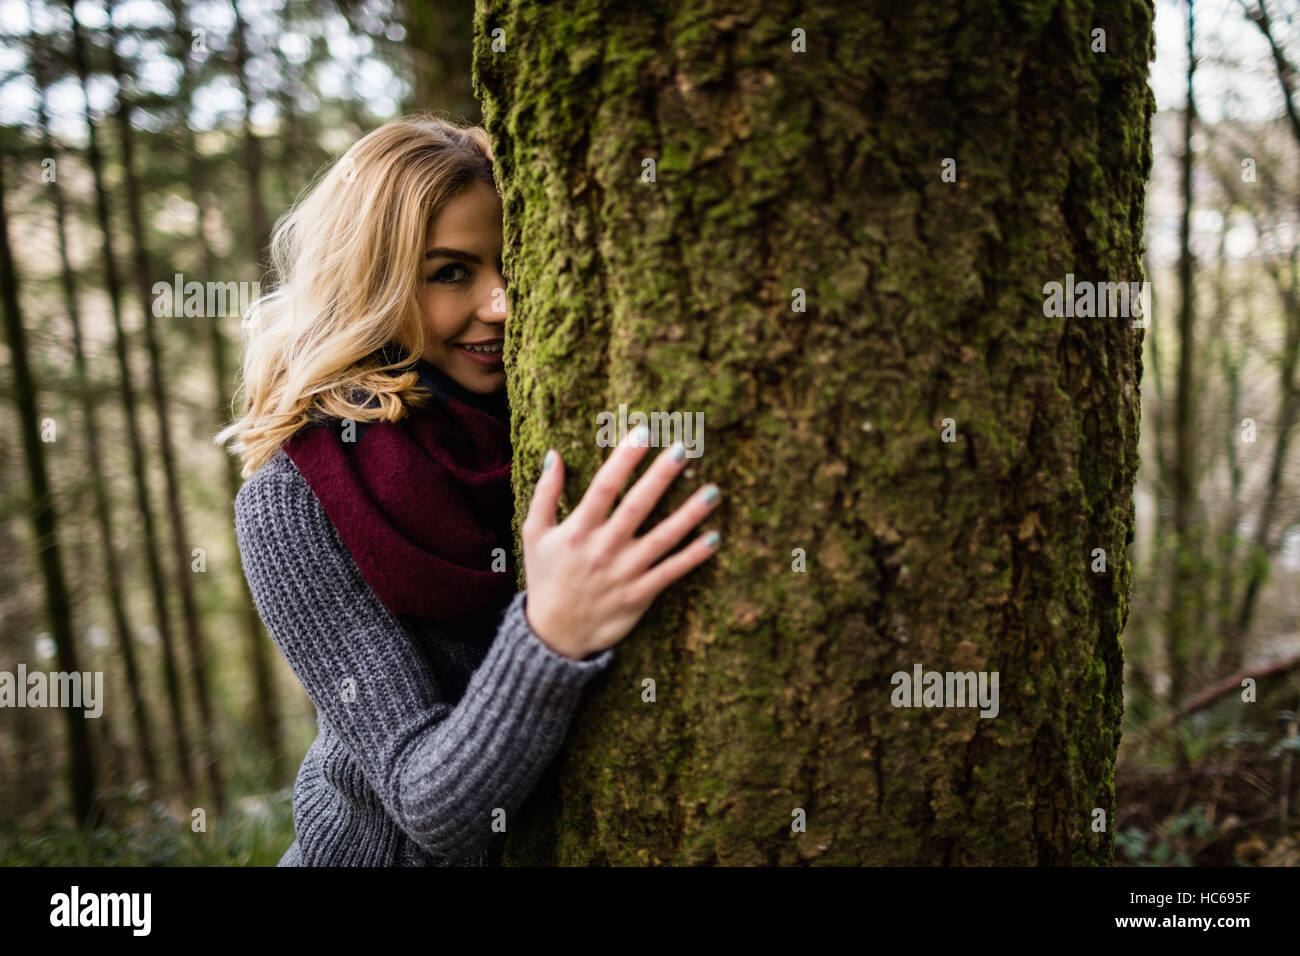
pixel 821 171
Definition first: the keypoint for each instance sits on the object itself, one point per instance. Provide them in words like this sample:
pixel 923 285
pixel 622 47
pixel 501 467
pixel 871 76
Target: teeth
pixel 494 347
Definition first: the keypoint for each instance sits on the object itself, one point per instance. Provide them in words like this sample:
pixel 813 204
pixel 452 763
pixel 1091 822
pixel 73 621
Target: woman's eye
pixel 442 275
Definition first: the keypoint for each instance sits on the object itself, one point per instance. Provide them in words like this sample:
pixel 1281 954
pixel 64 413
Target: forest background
pixel 209 118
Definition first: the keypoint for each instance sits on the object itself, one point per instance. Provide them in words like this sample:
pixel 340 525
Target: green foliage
pixel 147 834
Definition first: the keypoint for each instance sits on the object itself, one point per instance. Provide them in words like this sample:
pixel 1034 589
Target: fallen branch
pixel 1212 693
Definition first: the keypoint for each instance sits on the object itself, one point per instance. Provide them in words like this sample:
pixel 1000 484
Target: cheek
pixel 434 320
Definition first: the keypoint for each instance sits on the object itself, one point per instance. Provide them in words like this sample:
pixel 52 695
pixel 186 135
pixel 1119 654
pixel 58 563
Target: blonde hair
pixel 346 270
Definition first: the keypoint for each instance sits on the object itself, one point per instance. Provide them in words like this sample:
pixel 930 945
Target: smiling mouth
pixel 484 348
pixel 487 354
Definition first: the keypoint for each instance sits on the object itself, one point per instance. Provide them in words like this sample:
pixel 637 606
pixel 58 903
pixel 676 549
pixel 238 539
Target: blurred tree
pixel 1285 273
pixel 113 578
pixel 133 200
pixel 127 393
pixel 259 224
pixel 81 766
pixel 1187 573
pixel 265 703
pixel 439 37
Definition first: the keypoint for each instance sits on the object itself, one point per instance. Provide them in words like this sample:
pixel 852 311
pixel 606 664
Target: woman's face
pixel 464 299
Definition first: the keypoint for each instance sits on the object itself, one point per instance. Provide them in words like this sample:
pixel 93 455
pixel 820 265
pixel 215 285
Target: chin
pixel 487 384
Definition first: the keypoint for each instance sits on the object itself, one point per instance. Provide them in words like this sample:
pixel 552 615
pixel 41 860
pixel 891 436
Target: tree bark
pixel 822 171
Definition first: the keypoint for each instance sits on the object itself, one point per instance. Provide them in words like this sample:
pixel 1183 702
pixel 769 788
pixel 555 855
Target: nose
pixel 495 306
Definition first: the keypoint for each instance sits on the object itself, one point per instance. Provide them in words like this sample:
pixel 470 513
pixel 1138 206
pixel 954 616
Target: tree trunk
pixel 265 705
pixel 259 223
pixel 127 391
pixel 440 57
pixel 195 639
pixel 1264 545
pixel 1261 549
pixel 113 577
pixel 1185 575
pixel 289 156
pixel 1231 360
pixel 81 765
pixel 821 171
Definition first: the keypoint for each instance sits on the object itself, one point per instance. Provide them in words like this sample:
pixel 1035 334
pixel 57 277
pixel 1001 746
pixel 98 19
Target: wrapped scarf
pixel 422 503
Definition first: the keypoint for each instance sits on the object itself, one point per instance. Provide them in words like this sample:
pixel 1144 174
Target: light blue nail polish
pixel 548 461
pixel 712 539
pixel 641 436
pixel 678 451
pixel 711 494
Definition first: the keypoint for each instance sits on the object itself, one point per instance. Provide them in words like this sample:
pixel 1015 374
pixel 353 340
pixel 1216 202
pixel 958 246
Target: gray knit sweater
pixel 427 732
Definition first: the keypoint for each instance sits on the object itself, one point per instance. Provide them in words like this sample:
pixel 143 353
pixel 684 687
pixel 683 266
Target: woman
pixel 375 524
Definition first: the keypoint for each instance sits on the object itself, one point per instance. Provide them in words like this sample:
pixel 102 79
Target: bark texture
pixel 776 171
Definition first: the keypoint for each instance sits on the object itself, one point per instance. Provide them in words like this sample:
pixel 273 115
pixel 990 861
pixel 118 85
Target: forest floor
pixel 137 833
pixel 1236 807
pixel 1225 808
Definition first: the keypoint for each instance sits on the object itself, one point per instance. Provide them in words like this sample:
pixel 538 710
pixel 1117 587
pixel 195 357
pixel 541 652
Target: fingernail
pixel 712 539
pixel 641 436
pixel 711 494
pixel 678 451
pixel 549 460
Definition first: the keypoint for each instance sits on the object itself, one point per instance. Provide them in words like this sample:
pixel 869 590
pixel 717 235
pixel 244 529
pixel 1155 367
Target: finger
pixel 669 570
pixel 546 496
pixel 641 500
pixel 609 480
pixel 663 537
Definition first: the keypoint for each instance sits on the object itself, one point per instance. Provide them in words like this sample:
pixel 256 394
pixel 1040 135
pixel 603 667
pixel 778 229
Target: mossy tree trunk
pixel 776 171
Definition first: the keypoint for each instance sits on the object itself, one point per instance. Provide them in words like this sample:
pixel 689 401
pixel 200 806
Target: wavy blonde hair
pixel 346 273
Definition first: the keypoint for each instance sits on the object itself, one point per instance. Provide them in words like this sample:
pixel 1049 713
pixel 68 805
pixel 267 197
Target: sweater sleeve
pixel 440 769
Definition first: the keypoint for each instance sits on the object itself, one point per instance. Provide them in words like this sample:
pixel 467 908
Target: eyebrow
pixel 446 253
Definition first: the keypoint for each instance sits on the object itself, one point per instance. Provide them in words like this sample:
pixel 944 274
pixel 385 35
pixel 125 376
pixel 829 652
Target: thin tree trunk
pixel 28 736
pixel 81 767
pixel 1230 361
pixel 435 37
pixel 291 154
pixel 162 407
pixel 1262 549
pixel 1185 572
pixel 1154 655
pixel 266 712
pixel 1263 544
pixel 113 577
pixel 149 535
pixel 780 174
pixel 1157 377
pixel 259 223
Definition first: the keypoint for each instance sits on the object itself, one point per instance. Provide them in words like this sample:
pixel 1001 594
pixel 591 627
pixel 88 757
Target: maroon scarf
pixel 421 503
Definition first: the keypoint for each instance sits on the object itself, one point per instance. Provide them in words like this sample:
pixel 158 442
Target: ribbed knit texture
pixel 424 730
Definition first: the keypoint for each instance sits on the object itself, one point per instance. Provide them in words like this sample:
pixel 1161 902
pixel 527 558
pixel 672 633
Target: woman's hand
pixel 589 580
